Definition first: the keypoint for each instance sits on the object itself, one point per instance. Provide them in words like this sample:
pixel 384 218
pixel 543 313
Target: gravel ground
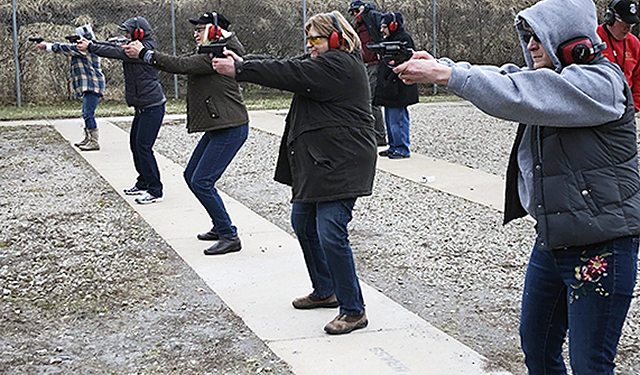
pixel 447 259
pixel 89 288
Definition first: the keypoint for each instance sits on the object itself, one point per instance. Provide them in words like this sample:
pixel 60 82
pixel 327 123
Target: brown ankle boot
pixel 343 323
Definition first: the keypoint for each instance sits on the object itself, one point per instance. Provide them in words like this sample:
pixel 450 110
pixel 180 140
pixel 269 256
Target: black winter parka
pixel 142 87
pixel 328 149
pixel 390 90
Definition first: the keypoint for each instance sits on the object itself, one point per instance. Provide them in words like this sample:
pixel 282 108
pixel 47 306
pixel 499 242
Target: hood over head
pixel 133 23
pixel 85 31
pixel 556 22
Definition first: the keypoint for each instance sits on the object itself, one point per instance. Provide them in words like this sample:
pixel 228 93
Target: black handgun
pixel 36 39
pixel 213 48
pixel 72 38
pixel 396 51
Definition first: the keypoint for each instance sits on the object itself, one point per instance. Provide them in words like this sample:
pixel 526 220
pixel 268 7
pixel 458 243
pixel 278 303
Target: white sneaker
pixel 134 191
pixel 147 198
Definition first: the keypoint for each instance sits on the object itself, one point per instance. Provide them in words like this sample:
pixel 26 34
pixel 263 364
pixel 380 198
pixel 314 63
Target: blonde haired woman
pixel 327 155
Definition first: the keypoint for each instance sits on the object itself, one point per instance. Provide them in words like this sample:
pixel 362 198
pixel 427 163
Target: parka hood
pixel 556 22
pixel 132 23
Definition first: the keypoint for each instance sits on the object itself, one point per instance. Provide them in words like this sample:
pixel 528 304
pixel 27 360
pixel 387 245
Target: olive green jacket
pixel 214 101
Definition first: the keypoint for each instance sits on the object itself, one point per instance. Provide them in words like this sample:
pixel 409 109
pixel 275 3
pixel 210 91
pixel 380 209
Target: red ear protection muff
pixel 610 14
pixel 215 32
pixel 393 25
pixel 138 32
pixel 336 40
pixel 576 51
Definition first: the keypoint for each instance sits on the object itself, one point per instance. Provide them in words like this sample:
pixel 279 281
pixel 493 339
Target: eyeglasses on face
pixel 199 29
pixel 315 39
pixel 528 34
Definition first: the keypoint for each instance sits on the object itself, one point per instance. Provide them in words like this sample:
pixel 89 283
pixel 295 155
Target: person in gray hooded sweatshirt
pixel 574 169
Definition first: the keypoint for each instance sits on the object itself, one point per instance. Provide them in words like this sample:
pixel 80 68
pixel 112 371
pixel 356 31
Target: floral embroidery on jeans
pixel 589 275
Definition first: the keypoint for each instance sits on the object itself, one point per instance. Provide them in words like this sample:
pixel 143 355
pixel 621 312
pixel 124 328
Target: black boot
pixel 211 235
pixel 224 245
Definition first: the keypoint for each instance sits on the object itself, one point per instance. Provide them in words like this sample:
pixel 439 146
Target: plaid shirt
pixel 85 69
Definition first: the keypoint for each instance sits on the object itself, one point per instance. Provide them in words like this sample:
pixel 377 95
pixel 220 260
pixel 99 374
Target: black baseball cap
pixel 356 4
pixel 627 10
pixel 209 17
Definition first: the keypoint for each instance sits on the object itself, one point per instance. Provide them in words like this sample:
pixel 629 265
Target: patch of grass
pixel 253 100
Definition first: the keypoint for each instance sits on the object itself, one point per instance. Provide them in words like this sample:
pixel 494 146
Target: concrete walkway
pixel 259 282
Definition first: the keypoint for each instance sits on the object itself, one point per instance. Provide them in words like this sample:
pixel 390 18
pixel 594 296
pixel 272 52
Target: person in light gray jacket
pixel 574 169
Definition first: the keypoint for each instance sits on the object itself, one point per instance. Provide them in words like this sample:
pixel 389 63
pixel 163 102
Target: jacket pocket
pixel 318 158
pixel 211 107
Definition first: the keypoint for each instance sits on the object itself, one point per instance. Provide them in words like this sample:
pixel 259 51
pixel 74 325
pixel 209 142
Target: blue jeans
pixel 586 290
pixel 321 229
pixel 397 120
pixel 209 160
pixel 144 131
pixel 89 105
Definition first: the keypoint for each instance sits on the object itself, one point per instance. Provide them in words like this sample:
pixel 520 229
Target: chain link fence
pixel 480 31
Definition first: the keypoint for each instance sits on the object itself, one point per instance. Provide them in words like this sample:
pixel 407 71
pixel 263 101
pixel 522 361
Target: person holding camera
pixel 144 93
pixel 623 48
pixel 327 155
pixel 573 168
pixel 394 94
pixel 367 24
pixel 87 81
pixel 216 108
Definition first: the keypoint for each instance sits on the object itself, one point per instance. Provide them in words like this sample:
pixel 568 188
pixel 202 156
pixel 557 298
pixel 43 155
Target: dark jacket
pixel 371 19
pixel 605 179
pixel 328 149
pixel 214 101
pixel 142 88
pixel 390 90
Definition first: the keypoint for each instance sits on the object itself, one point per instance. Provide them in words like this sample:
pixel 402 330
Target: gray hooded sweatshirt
pixel 574 163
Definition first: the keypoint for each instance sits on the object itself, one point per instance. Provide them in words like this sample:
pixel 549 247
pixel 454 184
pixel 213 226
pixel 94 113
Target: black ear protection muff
pixel 610 14
pixel 393 25
pixel 138 32
pixel 579 50
pixel 336 40
pixel 215 32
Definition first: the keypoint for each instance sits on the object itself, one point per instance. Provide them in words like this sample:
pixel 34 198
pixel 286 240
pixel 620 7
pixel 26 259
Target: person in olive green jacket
pixel 214 106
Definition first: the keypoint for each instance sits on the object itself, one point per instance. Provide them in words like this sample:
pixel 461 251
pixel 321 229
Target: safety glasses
pixel 528 34
pixel 199 29
pixel 315 39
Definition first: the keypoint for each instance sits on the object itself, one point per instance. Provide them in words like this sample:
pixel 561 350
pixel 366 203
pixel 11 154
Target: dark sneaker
pixel 147 198
pixel 384 153
pixel 312 302
pixel 224 245
pixel 134 191
pixel 211 235
pixel 343 323
pixel 381 142
pixel 396 155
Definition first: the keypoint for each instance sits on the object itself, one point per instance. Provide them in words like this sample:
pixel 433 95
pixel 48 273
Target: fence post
pixel 15 51
pixel 435 38
pixel 173 36
pixel 304 22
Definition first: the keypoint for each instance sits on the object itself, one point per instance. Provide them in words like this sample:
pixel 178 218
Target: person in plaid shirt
pixel 88 83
